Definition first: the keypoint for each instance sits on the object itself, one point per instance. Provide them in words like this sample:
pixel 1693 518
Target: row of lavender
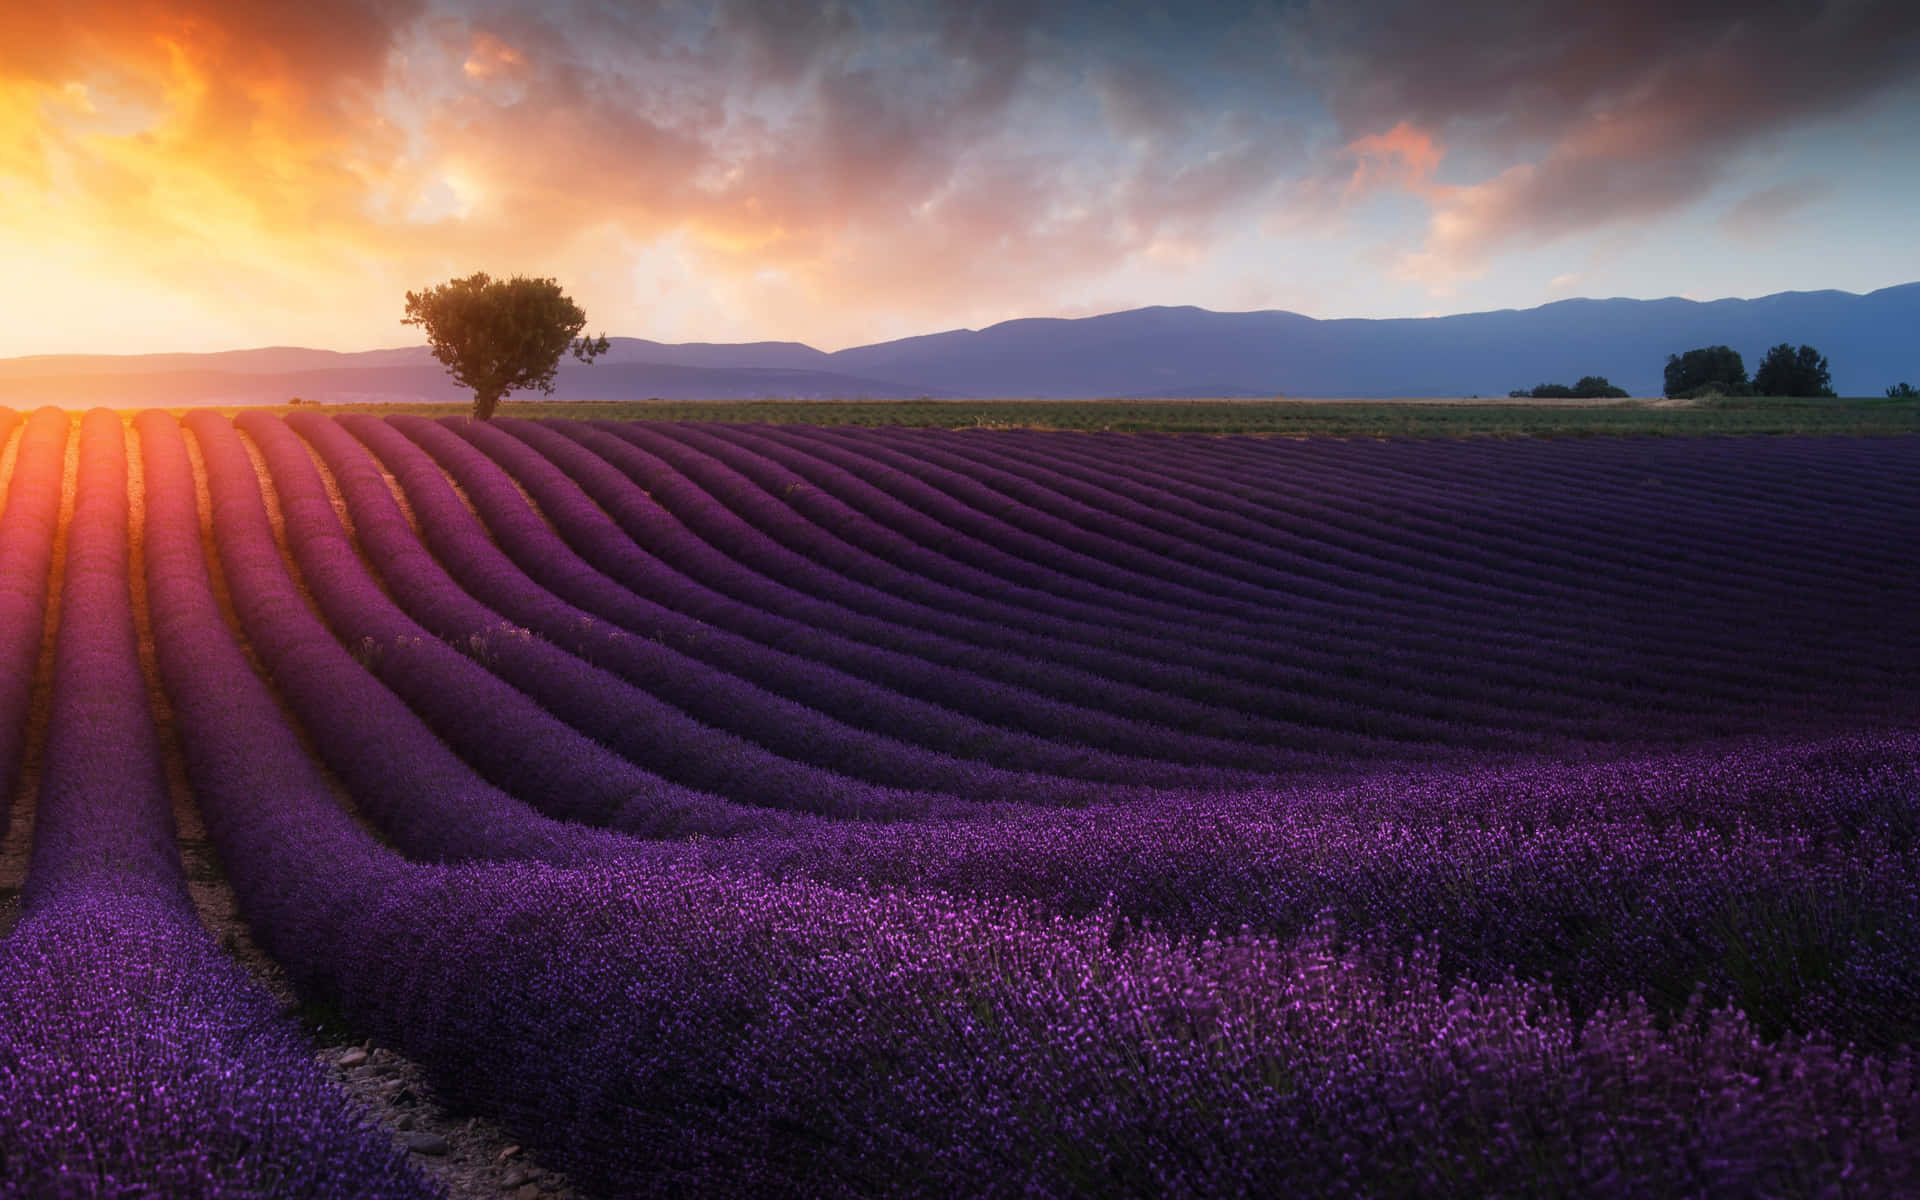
pixel 721 711
pixel 1715 934
pixel 850 657
pixel 1513 886
pixel 1622 650
pixel 1741 573
pixel 748 1013
pixel 136 1058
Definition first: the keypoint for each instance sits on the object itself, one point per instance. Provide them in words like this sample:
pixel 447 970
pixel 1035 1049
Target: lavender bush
pixel 27 529
pixel 535 576
pixel 1321 818
pixel 136 1058
pixel 1091 707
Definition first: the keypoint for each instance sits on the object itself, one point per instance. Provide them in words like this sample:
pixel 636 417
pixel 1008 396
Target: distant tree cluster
pixel 1719 371
pixel 1708 371
pixel 1789 372
pixel 1903 391
pixel 1590 387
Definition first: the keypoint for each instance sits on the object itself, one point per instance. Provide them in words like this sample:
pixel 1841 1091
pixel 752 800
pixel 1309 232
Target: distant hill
pixel 1871 340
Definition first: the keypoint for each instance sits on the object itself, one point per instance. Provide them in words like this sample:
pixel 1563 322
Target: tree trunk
pixel 484 403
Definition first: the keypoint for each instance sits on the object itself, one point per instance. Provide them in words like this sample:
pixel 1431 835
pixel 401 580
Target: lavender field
pixel 745 810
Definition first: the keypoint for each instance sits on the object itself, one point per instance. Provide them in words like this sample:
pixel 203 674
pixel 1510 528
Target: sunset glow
pixel 212 174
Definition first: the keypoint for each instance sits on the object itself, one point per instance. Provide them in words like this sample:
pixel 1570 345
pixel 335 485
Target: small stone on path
pixel 353 1057
pixel 424 1143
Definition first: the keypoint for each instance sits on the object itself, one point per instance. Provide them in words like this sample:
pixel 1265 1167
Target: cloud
pixel 271 100
pixel 833 167
pixel 493 58
pixel 1529 73
pixel 823 159
pixel 1138 102
pixel 1603 114
pixel 1403 157
pixel 928 157
pixel 1769 209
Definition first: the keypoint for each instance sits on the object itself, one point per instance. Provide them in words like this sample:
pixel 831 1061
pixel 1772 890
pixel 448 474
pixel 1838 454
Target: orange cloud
pixel 492 58
pixel 281 171
pixel 285 172
pixel 241 161
pixel 1617 166
pixel 1403 157
pixel 197 145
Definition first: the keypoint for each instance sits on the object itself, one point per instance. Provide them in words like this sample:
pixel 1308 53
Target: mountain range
pixel 1871 341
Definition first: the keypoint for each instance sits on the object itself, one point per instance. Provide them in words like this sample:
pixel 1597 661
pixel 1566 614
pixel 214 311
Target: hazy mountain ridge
pixel 1871 340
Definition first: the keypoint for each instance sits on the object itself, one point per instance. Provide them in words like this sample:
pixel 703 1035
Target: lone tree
pixel 1789 372
pixel 498 335
pixel 1706 370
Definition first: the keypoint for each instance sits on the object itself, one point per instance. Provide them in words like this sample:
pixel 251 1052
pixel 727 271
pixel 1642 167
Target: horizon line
pixel 18 358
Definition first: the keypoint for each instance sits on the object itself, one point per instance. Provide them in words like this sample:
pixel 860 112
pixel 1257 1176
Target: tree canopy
pixel 1789 372
pixel 1590 387
pixel 499 335
pixel 1707 369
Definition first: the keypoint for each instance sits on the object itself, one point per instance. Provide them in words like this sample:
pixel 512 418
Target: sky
pixel 217 174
